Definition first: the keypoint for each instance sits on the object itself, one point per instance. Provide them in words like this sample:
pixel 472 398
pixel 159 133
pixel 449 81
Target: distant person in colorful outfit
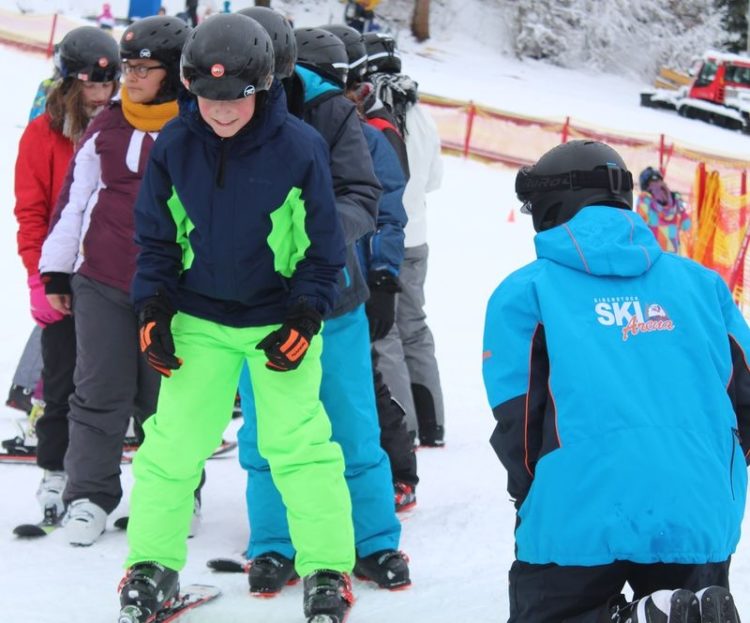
pixel 664 211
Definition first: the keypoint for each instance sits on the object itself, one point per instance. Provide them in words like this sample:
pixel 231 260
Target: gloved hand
pixel 57 289
pixel 156 335
pixel 381 306
pixel 286 346
pixel 41 310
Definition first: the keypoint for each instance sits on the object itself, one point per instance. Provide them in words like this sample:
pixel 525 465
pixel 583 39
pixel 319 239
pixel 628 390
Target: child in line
pixel 240 251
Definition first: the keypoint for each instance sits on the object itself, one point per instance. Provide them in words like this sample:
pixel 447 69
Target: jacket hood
pixel 315 84
pixel 267 120
pixel 601 240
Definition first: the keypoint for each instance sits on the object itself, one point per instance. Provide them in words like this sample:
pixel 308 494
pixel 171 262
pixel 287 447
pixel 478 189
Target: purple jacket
pixel 93 223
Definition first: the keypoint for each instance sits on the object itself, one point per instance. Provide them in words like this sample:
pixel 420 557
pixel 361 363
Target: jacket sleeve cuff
pixel 56 283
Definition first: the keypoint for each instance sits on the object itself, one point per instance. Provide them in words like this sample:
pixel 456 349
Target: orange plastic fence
pixel 487 133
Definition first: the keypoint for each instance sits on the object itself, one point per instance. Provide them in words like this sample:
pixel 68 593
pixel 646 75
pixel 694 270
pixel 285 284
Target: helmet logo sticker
pixel 145 53
pixel 249 90
pixel 129 35
pixel 103 62
pixel 217 70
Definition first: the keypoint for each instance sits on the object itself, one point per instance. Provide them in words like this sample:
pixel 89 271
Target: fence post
pixel 470 114
pixel 661 154
pixel 51 43
pixel 743 182
pixel 565 130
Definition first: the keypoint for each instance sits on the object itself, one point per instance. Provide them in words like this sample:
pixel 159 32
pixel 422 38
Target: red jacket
pixel 43 158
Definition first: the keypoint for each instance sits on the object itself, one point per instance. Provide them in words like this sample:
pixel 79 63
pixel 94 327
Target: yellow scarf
pixel 147 117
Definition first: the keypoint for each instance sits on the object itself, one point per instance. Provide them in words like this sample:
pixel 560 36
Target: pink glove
pixel 41 310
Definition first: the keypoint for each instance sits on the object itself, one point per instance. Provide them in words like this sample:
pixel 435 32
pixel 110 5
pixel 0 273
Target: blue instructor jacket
pixel 618 377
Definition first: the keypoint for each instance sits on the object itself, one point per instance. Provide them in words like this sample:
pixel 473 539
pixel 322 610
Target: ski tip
pixel 32 531
pixel 226 565
pixel 121 523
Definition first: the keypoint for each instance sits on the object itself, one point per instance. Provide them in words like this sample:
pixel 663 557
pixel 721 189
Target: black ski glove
pixel 381 306
pixel 156 335
pixel 286 347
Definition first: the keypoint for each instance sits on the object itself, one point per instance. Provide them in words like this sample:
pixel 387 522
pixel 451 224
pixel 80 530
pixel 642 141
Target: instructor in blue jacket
pixel 618 377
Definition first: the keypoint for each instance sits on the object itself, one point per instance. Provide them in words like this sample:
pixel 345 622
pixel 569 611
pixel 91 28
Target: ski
pixel 30 459
pixel 228 565
pixel 191 597
pixel 48 525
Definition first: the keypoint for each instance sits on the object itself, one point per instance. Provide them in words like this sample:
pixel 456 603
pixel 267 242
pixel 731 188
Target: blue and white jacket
pixel 619 380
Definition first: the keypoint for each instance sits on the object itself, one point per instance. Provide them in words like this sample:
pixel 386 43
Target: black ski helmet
pixel 158 38
pixel 356 52
pixel 90 54
pixel 282 37
pixel 382 54
pixel 227 57
pixel 323 52
pixel 570 177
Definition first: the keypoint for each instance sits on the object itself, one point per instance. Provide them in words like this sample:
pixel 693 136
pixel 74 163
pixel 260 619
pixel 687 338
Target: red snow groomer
pixel 715 90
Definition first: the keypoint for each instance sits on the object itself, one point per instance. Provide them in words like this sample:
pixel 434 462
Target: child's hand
pixel 156 335
pixel 286 347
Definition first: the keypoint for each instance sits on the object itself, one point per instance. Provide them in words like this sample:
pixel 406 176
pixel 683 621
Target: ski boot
pixel 84 523
pixel 405 496
pixel 664 606
pixel 20 398
pixel 388 568
pixel 269 573
pixel 147 588
pixel 717 605
pixel 49 495
pixel 328 596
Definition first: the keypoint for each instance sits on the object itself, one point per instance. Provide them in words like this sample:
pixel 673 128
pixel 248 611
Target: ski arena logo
pixel 627 313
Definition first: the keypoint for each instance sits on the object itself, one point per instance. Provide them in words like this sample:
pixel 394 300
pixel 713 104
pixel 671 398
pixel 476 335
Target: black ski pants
pixel 59 360
pixel 572 594
pixel 395 438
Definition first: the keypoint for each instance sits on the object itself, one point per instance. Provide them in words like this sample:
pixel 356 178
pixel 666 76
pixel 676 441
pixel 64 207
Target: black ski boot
pixel 269 573
pixel 388 568
pixel 717 605
pixel 328 597
pixel 664 606
pixel 147 588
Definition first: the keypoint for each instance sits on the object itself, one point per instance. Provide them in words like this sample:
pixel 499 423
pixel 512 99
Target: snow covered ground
pixel 459 537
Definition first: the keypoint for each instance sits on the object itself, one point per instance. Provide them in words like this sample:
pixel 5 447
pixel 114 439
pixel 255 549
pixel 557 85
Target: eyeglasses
pixel 141 71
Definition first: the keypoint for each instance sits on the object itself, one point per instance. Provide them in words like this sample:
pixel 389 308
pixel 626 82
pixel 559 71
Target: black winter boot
pixel 269 573
pixel 147 588
pixel 664 606
pixel 388 568
pixel 717 605
pixel 328 596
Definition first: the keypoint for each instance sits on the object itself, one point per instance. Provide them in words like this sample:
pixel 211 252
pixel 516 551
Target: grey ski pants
pixel 406 356
pixel 113 382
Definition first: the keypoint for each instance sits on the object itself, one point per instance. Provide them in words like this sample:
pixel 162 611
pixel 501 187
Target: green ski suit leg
pixel 294 432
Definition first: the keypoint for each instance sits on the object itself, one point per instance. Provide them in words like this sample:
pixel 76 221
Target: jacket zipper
pixel 735 437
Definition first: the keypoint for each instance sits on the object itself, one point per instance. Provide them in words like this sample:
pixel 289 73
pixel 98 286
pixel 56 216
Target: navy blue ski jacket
pixel 384 250
pixel 237 230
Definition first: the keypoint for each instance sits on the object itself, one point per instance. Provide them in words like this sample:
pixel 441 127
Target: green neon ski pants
pixel 294 436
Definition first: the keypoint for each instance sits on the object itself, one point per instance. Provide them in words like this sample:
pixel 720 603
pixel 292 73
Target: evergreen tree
pixel 735 23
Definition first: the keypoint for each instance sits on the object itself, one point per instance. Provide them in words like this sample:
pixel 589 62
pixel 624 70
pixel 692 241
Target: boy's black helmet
pixel 570 177
pixel 90 54
pixel 323 52
pixel 227 57
pixel 382 53
pixel 282 37
pixel 356 53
